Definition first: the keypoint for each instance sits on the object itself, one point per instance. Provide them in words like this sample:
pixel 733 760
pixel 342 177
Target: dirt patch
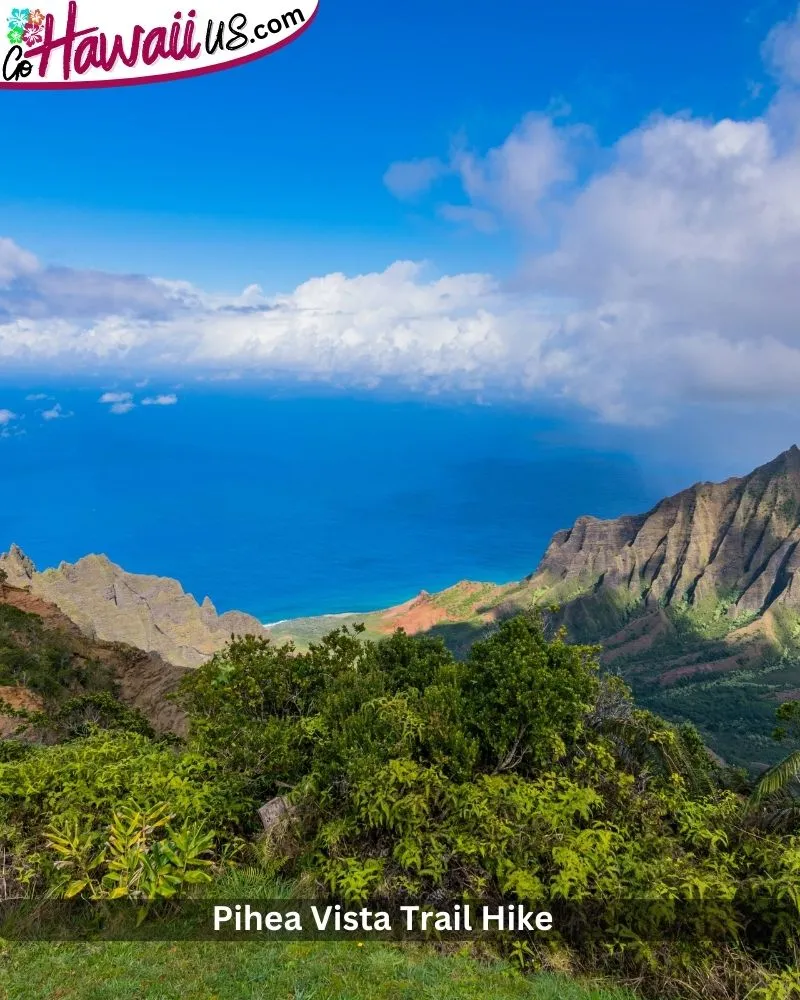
pixel 637 636
pixel 18 698
pixel 713 667
pixel 51 616
pixel 417 615
pixel 459 603
pixel 763 628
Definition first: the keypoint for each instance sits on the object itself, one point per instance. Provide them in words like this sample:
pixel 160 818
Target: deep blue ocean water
pixel 287 505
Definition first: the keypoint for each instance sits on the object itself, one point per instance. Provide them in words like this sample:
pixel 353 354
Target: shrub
pixel 516 773
pixel 140 856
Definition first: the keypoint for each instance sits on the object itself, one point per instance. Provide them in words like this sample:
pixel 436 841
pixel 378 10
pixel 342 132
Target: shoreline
pixel 338 614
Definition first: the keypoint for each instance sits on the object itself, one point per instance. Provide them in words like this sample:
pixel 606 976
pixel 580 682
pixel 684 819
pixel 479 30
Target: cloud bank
pixel 663 273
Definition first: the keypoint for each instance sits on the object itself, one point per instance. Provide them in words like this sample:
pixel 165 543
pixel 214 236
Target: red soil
pixel 417 615
pixel 17 698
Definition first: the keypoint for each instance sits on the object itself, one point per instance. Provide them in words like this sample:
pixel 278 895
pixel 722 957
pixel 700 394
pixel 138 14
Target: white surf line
pixel 339 614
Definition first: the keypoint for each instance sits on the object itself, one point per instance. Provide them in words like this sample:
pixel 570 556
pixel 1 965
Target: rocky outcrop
pixel 736 540
pixel 150 613
pixel 143 681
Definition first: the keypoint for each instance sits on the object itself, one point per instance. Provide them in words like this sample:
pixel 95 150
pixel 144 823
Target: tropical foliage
pixel 517 773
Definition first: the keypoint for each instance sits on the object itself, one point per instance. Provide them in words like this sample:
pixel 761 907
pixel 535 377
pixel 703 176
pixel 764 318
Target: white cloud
pixel 510 180
pixel 514 178
pixel 782 49
pixel 15 263
pixel 659 272
pixel 411 178
pixel 37 397
pixel 170 399
pixel 397 324
pixel 119 402
pixel 56 412
pixel 672 270
pixel 6 416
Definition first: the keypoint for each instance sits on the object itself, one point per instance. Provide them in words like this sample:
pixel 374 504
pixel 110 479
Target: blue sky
pixel 272 172
pixel 551 250
pixel 589 207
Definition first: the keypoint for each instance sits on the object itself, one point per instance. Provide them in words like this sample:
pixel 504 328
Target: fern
pixel 776 778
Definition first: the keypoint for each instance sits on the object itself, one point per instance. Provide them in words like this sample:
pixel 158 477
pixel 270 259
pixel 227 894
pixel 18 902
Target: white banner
pixel 94 43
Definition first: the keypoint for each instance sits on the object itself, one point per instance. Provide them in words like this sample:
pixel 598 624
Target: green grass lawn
pixel 253 971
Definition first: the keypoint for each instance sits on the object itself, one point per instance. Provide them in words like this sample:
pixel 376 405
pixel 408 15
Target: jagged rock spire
pixel 737 539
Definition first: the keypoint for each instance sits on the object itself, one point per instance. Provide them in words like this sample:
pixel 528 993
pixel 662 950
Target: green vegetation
pixel 776 783
pixel 40 659
pixel 459 601
pixel 401 772
pixel 344 971
pixel 734 708
pixel 302 632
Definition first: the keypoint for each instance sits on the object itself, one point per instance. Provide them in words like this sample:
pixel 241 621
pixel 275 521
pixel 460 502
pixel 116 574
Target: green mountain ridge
pixel 696 603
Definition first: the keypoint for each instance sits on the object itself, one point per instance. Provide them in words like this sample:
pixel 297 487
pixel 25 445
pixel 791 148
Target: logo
pixel 94 43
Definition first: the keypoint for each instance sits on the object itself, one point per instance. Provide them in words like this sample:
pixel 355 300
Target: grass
pixel 461 600
pixel 272 971
pixel 303 631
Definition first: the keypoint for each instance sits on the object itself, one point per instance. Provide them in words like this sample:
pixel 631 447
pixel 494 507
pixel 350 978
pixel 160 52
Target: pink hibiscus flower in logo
pixel 33 34
pixel 36 18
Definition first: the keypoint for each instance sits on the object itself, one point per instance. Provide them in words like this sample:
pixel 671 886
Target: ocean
pixel 286 504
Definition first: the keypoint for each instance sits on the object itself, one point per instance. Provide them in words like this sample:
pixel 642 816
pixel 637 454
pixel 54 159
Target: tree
pixel 526 694
pixel 776 781
pixel 3 581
